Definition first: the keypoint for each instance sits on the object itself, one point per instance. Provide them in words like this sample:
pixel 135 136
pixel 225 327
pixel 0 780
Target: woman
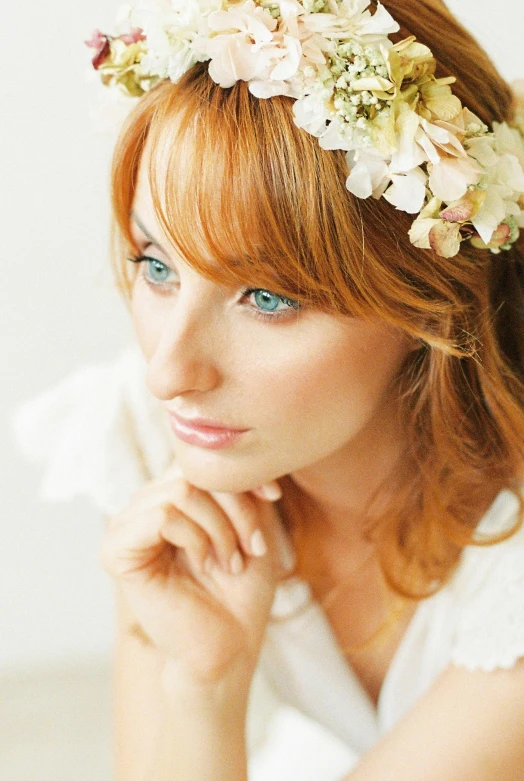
pixel 338 540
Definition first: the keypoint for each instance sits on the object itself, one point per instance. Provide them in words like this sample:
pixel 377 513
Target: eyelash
pixel 292 304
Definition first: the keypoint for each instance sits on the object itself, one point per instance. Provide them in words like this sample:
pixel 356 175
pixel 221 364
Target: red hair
pixel 248 189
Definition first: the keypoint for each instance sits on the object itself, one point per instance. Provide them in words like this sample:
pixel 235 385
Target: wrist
pixel 225 696
pixel 204 728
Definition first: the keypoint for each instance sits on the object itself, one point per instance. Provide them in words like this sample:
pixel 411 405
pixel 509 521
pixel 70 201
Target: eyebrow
pixel 146 233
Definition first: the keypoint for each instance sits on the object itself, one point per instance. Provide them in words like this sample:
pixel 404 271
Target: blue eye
pixel 268 305
pixel 154 267
pixel 266 301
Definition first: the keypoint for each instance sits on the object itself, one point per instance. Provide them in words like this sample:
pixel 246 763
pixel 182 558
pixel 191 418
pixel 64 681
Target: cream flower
pixel 429 231
pixel 407 137
pixel 501 156
pixel 450 178
pixel 311 112
pixel 349 19
pixel 369 174
pixel 246 45
pixel 509 141
pixel 171 30
pixel 408 191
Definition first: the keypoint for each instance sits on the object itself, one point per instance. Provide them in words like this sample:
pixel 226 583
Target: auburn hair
pixel 245 187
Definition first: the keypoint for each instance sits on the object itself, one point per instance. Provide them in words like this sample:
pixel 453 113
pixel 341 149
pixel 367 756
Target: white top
pixel 101 434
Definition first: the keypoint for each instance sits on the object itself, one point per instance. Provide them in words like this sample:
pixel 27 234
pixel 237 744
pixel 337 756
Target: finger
pixel 243 511
pixel 133 543
pixel 183 533
pixel 195 504
pixel 142 540
pixel 204 510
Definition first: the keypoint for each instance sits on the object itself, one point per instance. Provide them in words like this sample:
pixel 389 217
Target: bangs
pixel 248 198
pixel 241 192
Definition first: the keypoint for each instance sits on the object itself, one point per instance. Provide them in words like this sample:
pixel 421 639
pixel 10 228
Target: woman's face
pixel 299 387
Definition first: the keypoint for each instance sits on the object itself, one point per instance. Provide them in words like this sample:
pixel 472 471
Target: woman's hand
pixel 199 571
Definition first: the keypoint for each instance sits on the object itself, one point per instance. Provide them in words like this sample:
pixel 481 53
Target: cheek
pixel 330 387
pixel 148 322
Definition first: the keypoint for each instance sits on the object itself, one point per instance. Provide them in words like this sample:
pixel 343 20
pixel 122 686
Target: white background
pixel 59 310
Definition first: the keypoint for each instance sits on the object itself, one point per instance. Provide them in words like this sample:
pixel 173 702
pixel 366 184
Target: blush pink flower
pixel 101 43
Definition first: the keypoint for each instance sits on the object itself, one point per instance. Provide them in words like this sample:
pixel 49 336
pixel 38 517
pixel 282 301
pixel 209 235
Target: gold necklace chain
pixel 397 608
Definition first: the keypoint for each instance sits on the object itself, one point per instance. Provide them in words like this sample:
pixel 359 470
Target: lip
pixel 203 432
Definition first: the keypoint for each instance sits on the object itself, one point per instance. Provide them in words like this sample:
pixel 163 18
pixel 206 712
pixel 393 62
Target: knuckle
pixel 202 543
pixel 223 531
pixel 182 490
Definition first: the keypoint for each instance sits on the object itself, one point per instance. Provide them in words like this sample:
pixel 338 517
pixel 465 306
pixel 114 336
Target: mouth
pixel 205 433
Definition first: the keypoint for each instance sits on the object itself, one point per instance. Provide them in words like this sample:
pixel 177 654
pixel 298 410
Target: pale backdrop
pixel 59 311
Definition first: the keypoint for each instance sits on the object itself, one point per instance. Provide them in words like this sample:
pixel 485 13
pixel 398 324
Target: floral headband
pixel 407 138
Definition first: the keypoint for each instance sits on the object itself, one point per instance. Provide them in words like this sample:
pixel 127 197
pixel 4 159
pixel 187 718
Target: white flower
pixel 171 28
pixel 504 185
pixel 369 174
pixel 450 178
pixel 247 46
pixel 408 191
pixel 354 91
pixel 501 155
pixel 381 23
pixel 267 88
pixel 350 19
pixel 452 171
pixel 409 153
pixel 311 113
pixel 336 136
pixel 290 11
pixel 508 141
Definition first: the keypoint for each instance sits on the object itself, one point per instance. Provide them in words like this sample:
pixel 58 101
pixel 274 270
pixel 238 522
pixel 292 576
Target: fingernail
pixel 258 544
pixel 271 491
pixel 236 564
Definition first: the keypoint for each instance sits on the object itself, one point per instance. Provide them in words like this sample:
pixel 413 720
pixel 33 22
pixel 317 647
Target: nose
pixel 187 354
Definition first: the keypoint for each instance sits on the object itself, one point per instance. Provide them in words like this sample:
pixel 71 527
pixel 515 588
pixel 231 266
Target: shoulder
pixel 98 432
pixel 488 592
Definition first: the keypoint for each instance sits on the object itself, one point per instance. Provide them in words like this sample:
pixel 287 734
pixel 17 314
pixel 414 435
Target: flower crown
pixel 407 137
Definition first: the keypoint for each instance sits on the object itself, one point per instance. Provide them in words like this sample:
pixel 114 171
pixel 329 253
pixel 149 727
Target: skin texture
pixel 312 388
pixel 315 393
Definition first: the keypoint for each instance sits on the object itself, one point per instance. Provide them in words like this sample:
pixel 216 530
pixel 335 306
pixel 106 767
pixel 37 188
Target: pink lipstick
pixel 204 433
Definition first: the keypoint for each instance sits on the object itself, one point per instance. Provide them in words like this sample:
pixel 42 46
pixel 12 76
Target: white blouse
pixel 101 434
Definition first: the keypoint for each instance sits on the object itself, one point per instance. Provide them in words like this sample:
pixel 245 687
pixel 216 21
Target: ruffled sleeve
pixel 489 623
pixel 98 432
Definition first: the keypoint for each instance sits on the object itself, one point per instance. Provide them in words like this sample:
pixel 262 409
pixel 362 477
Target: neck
pixel 352 484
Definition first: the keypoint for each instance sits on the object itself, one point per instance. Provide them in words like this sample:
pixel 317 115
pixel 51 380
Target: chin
pixel 221 474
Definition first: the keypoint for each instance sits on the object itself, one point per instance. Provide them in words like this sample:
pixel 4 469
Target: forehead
pixel 155 214
pixel 143 208
pixel 227 209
